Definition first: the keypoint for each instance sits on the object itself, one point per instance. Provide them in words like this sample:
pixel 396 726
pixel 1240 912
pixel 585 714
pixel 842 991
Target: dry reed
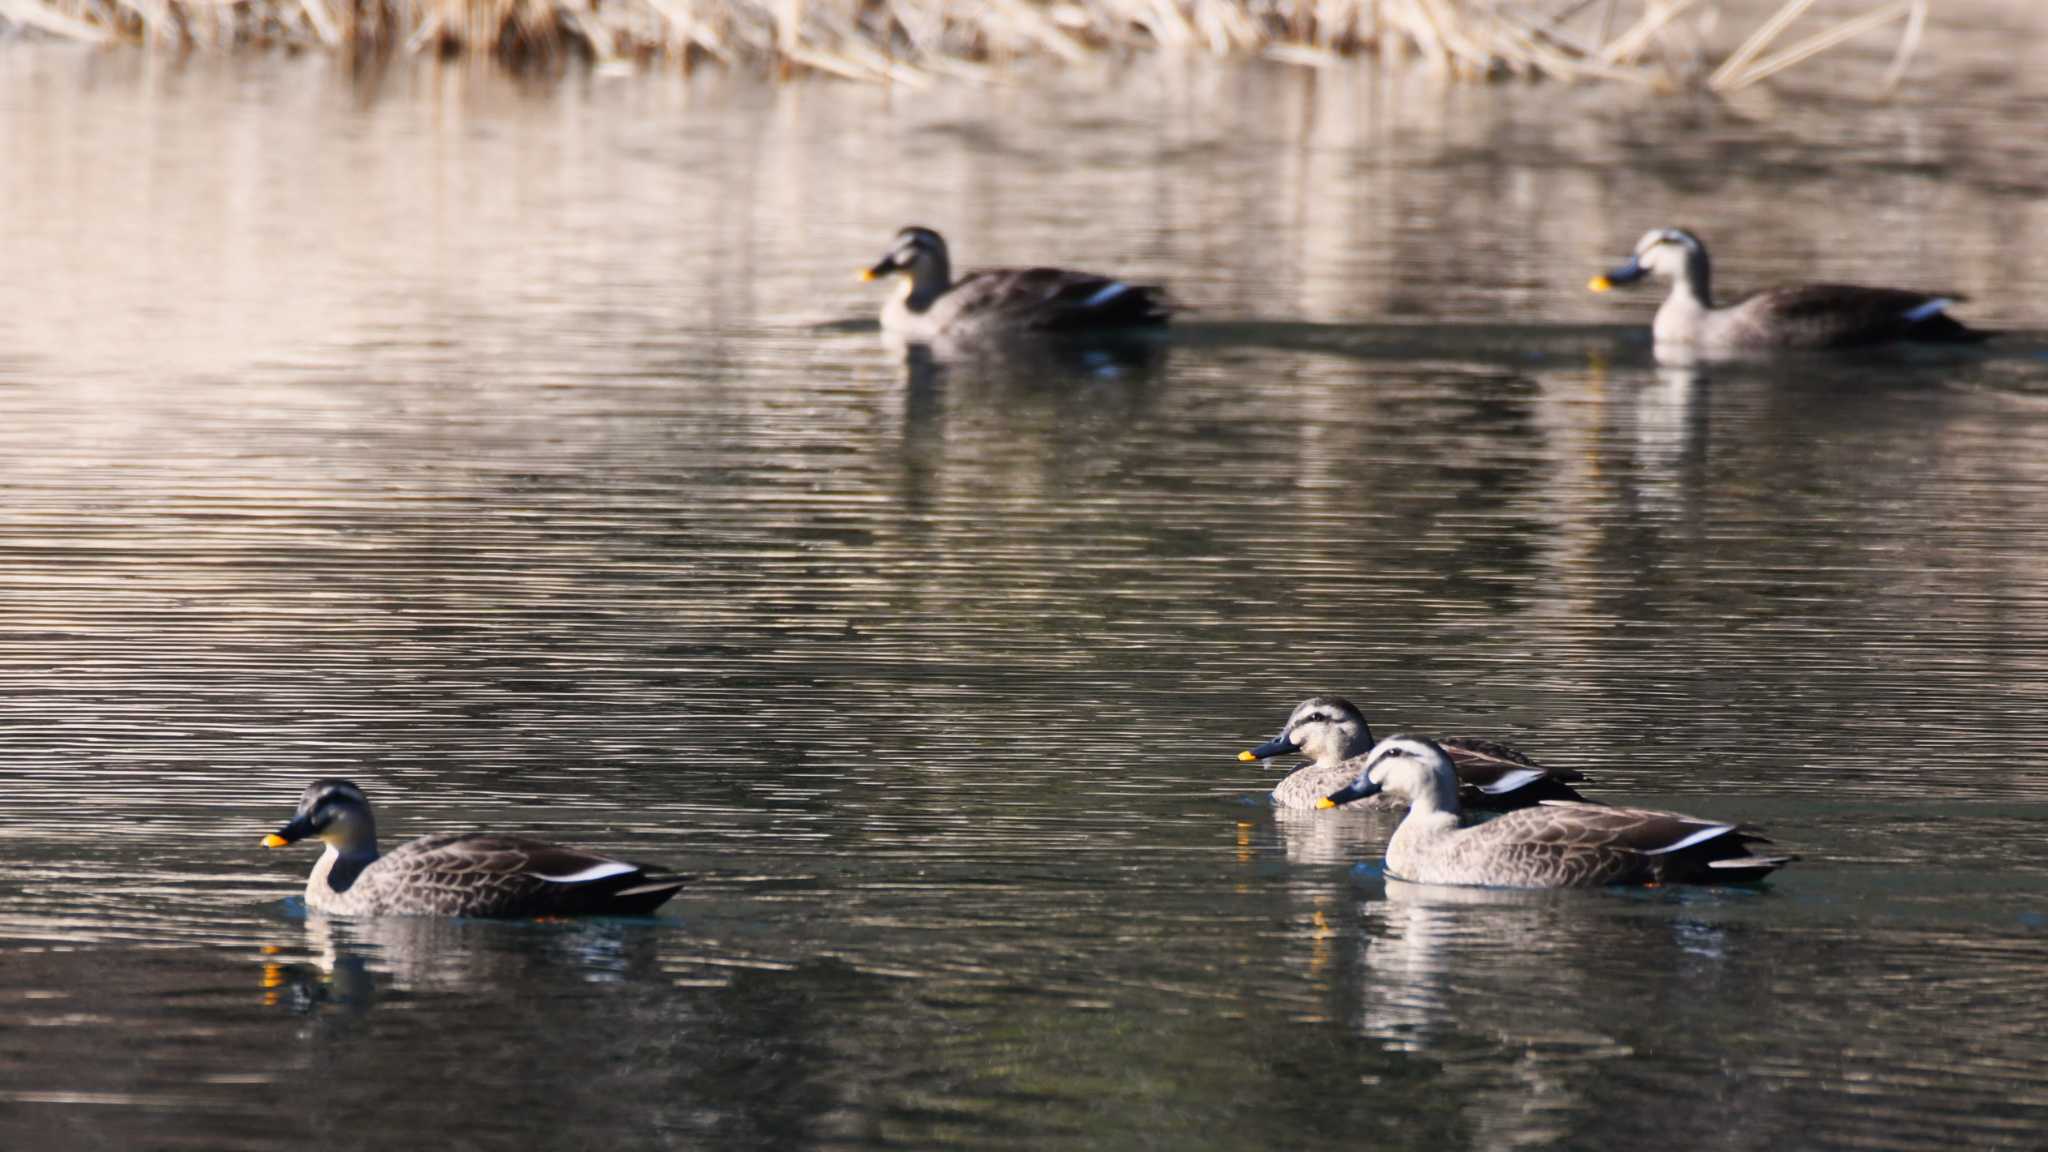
pixel 910 42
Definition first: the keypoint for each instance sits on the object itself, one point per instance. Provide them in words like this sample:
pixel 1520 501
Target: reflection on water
pixel 1551 1009
pixel 528 456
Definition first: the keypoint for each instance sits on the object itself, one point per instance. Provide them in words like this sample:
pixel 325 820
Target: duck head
pixel 1671 253
pixel 336 812
pixel 918 253
pixel 1408 767
pixel 1325 729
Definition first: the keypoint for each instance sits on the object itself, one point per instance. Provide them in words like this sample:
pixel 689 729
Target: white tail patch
pixel 1934 307
pixel 594 872
pixel 1707 833
pixel 1106 294
pixel 1509 781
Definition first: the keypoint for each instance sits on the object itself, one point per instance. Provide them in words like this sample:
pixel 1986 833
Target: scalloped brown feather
pixel 483 874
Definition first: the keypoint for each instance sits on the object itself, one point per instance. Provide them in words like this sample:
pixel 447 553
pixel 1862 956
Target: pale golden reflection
pixel 523 451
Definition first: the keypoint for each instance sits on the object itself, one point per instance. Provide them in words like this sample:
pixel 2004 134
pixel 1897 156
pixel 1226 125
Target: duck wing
pixel 1575 845
pixel 483 874
pixel 1057 299
pixel 1496 777
pixel 1661 847
pixel 1848 315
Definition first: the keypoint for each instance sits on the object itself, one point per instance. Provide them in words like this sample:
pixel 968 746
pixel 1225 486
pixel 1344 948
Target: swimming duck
pixel 1556 844
pixel 1332 732
pixel 455 874
pixel 930 304
pixel 1798 316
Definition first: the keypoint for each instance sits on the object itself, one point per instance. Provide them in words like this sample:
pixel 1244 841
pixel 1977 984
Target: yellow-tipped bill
pixel 275 841
pixel 1326 802
pixel 1599 284
pixel 867 274
pixel 1246 757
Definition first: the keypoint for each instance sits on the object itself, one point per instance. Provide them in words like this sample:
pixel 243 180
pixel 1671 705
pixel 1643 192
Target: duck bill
pixel 291 833
pixel 1277 746
pixel 1628 273
pixel 1358 791
pixel 886 267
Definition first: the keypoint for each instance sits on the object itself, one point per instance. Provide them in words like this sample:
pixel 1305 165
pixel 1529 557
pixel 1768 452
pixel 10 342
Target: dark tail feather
pixel 643 899
pixel 1139 305
pixel 1746 869
pixel 1942 328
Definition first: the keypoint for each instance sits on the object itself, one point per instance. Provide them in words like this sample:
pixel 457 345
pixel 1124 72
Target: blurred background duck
pixel 455 874
pixel 929 304
pixel 1556 844
pixel 1332 732
pixel 1800 316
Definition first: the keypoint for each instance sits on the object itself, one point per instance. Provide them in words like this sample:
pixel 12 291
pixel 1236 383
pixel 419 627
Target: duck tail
pixel 643 899
pixel 1747 869
pixel 1930 323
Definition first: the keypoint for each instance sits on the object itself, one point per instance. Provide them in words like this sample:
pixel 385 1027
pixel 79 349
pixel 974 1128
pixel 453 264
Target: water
pixel 527 453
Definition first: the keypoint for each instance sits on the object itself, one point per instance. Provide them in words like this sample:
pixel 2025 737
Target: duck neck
pixel 339 866
pixel 1433 798
pixel 928 280
pixel 1683 315
pixel 1358 745
pixel 1335 747
pixel 1697 280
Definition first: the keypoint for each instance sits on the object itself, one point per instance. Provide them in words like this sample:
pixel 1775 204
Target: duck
pixel 1804 316
pixel 930 305
pixel 1556 844
pixel 458 873
pixel 1332 733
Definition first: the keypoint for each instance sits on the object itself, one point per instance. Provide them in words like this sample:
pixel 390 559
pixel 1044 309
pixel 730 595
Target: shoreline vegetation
pixel 1654 43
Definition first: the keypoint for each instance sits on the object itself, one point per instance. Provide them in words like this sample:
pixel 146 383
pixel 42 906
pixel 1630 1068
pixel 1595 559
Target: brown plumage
pixel 1809 316
pixel 456 874
pixel 1553 845
pixel 931 305
pixel 1334 735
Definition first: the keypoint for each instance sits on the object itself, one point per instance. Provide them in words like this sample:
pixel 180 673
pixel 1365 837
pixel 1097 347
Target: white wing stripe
pixel 1113 290
pixel 1707 833
pixel 1933 307
pixel 1509 781
pixel 594 872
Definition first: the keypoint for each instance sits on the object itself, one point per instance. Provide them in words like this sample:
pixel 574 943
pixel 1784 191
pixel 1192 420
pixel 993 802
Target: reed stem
pixel 913 42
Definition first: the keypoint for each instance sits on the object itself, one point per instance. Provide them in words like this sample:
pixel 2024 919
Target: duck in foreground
pixel 931 305
pixel 1554 845
pixel 1799 316
pixel 1332 733
pixel 455 874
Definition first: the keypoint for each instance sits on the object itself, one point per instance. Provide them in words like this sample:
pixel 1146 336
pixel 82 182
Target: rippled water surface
pixel 527 453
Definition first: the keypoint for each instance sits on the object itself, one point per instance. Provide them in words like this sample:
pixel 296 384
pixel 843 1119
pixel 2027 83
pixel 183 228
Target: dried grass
pixel 911 42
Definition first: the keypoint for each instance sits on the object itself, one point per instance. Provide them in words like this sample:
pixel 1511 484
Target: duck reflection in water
pixel 1053 404
pixel 354 963
pixel 1530 998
